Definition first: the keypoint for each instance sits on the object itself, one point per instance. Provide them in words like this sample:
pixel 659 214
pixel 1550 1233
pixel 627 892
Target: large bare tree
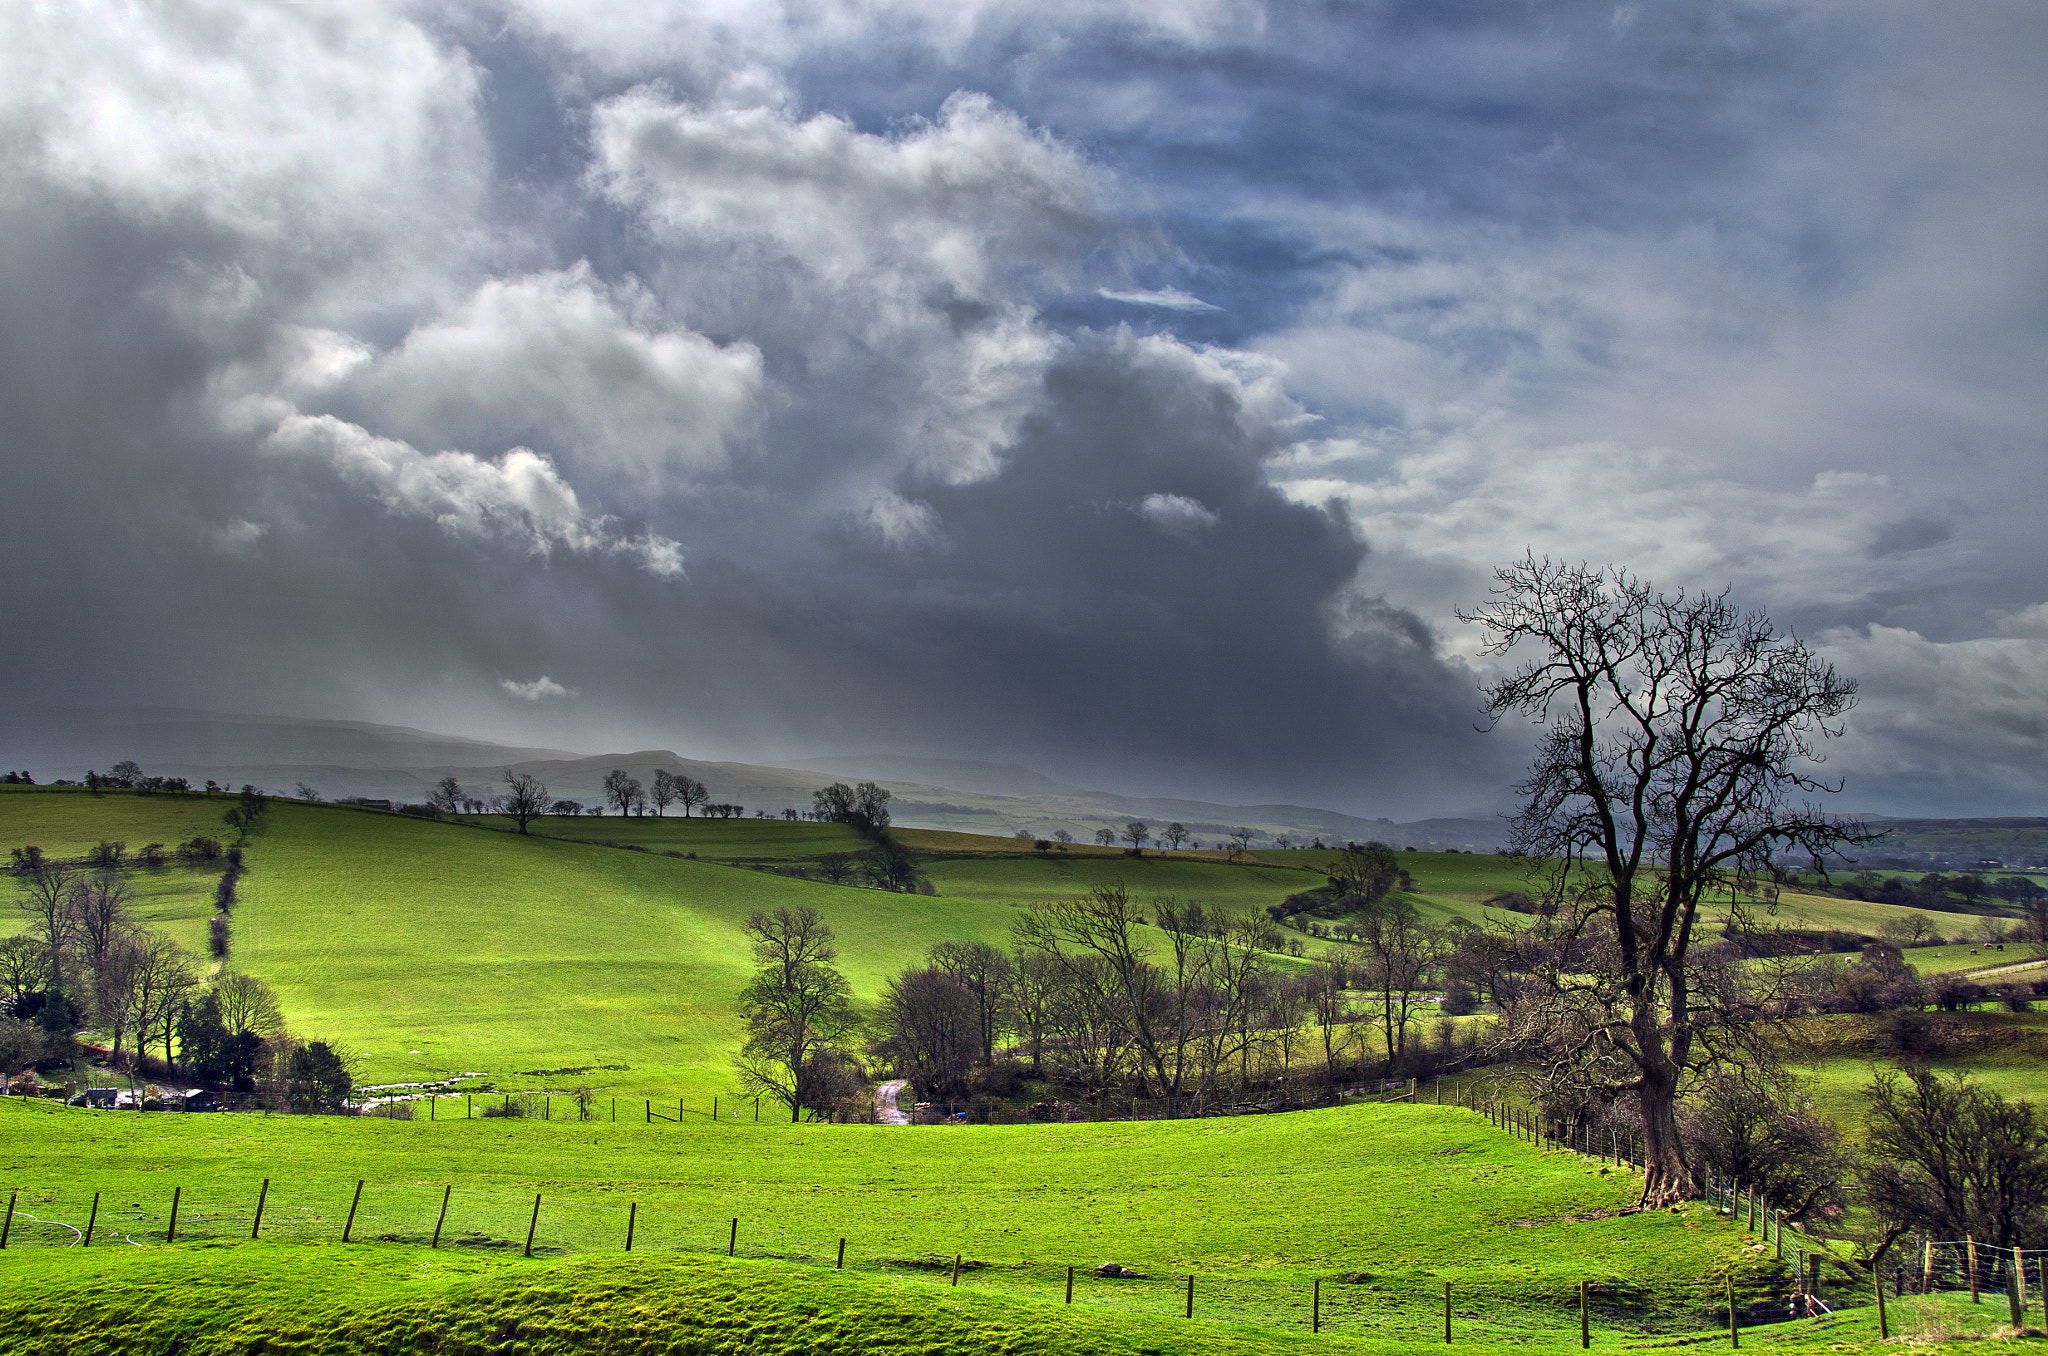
pixel 1679 743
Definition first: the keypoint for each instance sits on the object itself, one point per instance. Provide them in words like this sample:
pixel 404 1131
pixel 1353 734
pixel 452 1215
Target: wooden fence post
pixel 2040 1277
pixel 532 1224
pixel 1189 1312
pixel 732 1240
pixel 1070 1282
pixel 1447 1311
pixel 615 1111
pixel 1971 1245
pixel 1585 1319
pixel 262 1195
pixel 355 1200
pixel 170 1232
pixel 433 1107
pixel 714 1106
pixel 7 1225
pixel 2019 1274
pixel 650 1111
pixel 91 1220
pixel 956 1269
pixel 1315 1307
pixel 839 1262
pixel 1884 1323
pixel 466 1108
pixel 632 1219
pixel 1734 1332
pixel 442 1218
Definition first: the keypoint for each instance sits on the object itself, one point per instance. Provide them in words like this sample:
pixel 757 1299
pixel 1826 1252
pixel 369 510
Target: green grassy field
pixel 326 1301
pixel 1385 1205
pixel 715 840
pixel 434 949
pixel 2004 1051
pixel 550 962
pixel 1401 1199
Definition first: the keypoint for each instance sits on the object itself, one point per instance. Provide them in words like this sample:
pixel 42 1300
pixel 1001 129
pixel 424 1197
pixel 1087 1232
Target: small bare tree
pixel 985 973
pixel 1174 835
pixel 46 905
pixel 798 1010
pixel 525 799
pixel 1400 952
pixel 661 792
pixel 690 793
pixel 247 1006
pixel 446 796
pixel 621 790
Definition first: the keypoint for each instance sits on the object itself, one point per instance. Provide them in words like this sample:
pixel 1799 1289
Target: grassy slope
pixel 432 947
pixel 66 823
pixel 250 1298
pixel 716 840
pixel 1403 1197
pixel 2006 1052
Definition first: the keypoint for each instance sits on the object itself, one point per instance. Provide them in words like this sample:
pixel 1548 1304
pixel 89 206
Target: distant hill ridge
pixel 358 758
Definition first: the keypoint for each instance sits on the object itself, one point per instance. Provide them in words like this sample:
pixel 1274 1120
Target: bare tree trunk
pixel 1667 1178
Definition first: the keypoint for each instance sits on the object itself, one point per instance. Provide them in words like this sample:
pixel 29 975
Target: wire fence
pixel 1477 1304
pixel 1801 1279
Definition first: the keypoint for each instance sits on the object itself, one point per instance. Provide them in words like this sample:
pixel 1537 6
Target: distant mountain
pixel 354 758
pixel 2010 844
pixel 59 740
pixel 965 774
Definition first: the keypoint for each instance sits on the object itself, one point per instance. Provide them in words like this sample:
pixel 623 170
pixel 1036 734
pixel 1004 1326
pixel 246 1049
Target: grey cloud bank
pixel 1128 391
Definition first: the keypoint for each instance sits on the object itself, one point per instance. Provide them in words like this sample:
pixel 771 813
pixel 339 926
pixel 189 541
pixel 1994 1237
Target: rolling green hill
pixel 1401 1198
pixel 555 961
pixel 1385 1206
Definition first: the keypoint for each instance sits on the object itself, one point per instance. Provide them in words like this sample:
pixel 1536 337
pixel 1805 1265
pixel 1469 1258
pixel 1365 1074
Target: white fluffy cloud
pixel 537 689
pixel 518 497
pixel 323 137
pixel 962 202
pixel 590 370
pixel 1177 515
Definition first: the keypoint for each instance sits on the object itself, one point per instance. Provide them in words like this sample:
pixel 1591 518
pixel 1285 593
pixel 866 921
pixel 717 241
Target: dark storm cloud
pixel 782 378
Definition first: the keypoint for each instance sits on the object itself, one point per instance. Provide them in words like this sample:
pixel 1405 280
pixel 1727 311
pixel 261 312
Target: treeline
pixel 83 965
pixel 126 775
pixel 1101 999
pixel 1961 892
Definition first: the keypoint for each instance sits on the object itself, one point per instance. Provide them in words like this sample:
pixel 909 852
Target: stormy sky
pixel 1129 390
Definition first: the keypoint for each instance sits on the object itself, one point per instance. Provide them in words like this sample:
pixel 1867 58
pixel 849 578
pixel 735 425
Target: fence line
pixel 439 1215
